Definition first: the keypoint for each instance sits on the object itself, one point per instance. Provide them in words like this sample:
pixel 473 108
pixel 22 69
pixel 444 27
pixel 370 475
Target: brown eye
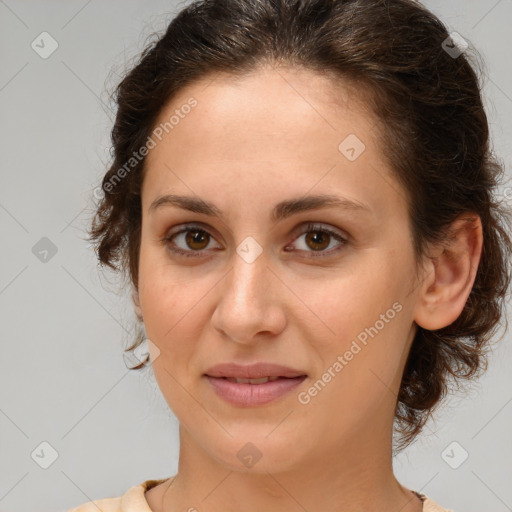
pixel 195 239
pixel 317 239
pixel 189 241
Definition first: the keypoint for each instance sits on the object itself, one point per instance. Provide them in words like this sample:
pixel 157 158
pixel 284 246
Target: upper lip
pixel 253 371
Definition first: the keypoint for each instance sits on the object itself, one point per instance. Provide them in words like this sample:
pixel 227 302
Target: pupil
pixel 316 238
pixel 196 237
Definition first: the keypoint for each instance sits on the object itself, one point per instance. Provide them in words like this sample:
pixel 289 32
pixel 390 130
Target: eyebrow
pixel 281 211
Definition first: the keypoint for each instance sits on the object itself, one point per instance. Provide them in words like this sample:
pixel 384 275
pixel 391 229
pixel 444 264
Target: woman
pixel 302 198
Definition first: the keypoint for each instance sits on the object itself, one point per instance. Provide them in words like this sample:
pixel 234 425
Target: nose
pixel 250 306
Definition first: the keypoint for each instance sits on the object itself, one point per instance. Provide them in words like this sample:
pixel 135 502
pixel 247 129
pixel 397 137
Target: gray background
pixel 63 325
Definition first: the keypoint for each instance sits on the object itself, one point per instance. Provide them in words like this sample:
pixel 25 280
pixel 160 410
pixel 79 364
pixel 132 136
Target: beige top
pixel 133 500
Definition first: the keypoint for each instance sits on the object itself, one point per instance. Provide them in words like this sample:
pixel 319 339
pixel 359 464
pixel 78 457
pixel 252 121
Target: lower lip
pixel 247 395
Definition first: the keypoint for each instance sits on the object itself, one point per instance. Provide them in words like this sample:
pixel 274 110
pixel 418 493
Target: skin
pixel 250 143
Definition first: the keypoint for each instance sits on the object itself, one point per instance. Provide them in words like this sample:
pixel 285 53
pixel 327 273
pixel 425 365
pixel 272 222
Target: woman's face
pixel 333 302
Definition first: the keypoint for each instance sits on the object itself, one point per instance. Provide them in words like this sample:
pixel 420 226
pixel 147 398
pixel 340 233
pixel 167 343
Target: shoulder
pixel 105 505
pixel 430 505
pixel 133 500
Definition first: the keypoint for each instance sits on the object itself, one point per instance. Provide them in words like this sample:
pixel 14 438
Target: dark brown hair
pixel 431 121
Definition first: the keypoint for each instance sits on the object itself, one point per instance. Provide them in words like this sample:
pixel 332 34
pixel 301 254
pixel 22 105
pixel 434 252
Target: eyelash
pixel 310 227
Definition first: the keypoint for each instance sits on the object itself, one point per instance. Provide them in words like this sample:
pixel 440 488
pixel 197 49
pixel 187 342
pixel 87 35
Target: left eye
pixel 317 239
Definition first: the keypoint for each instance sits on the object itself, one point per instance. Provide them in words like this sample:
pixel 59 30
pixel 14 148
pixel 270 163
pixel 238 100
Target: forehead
pixel 275 109
pixel 270 128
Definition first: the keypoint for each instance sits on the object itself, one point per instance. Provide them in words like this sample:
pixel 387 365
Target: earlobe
pixel 450 275
pixel 136 305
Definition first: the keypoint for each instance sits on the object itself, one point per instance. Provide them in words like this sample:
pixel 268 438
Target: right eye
pixel 192 238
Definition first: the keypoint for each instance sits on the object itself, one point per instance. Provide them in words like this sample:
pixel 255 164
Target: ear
pixel 136 305
pixel 450 274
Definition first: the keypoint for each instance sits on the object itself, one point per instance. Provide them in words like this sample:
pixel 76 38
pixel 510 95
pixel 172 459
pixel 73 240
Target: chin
pixel 257 452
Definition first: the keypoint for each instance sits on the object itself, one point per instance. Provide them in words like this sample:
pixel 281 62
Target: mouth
pixel 253 385
pixel 262 380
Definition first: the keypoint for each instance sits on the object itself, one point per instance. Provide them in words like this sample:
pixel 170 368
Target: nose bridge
pixel 247 302
pixel 248 282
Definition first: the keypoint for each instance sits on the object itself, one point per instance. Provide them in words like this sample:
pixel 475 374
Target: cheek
pixel 161 291
pixel 171 300
pixel 159 295
pixel 365 321
pixel 344 307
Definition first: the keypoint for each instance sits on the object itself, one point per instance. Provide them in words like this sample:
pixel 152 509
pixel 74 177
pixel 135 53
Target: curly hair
pixel 432 126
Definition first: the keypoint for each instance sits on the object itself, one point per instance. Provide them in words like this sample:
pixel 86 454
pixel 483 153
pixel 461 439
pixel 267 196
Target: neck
pixel 351 479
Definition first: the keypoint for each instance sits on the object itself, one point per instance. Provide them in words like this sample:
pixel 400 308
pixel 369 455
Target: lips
pixel 252 381
pixel 252 385
pixel 253 371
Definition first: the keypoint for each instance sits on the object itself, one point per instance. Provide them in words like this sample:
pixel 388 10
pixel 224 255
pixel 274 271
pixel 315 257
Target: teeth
pixel 262 380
